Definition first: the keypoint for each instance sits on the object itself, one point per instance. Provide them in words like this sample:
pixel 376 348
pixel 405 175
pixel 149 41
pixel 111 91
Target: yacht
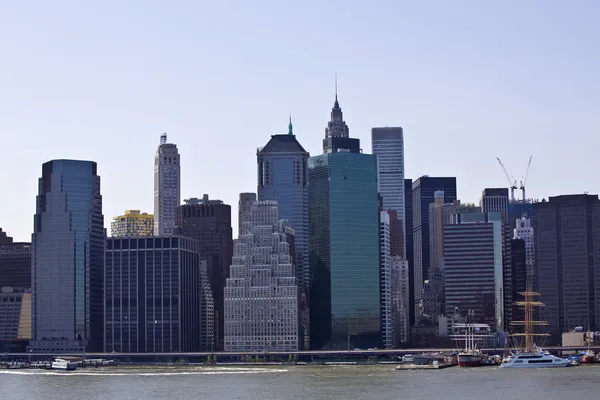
pixel 64 365
pixel 539 359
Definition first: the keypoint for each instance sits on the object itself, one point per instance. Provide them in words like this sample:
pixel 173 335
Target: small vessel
pixel 471 356
pixel 532 356
pixel 589 357
pixel 64 365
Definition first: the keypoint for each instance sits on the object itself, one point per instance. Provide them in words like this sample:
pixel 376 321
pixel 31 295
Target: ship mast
pixel 529 303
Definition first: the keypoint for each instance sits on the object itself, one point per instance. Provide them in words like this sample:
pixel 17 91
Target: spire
pixel 336 104
pixel 290 130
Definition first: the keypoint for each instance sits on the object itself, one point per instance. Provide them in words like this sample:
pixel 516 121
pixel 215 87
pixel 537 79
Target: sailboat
pixel 589 356
pixel 471 356
pixel 532 356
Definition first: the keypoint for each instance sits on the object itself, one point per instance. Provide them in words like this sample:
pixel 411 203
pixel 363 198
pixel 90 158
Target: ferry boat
pixel 532 356
pixel 63 365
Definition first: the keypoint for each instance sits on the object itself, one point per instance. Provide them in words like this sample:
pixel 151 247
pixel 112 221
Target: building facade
pixel 283 177
pixel 385 280
pixel 473 268
pixel 167 187
pixel 245 208
pixel 519 275
pixel 388 145
pixel 153 297
pixel 15 318
pixel 409 246
pixel 423 190
pixel 261 295
pixel 15 263
pixel 132 223
pixel 209 222
pixel 343 243
pixel 567 243
pixel 524 231
pixel 400 288
pixel 68 259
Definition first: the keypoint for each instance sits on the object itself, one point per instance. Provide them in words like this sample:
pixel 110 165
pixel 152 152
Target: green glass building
pixel 343 243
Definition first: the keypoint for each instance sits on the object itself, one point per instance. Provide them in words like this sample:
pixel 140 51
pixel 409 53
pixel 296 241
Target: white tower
pixel 167 187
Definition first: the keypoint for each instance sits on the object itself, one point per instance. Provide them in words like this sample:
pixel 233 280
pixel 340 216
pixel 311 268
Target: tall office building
pixel 519 275
pixel 132 223
pixel 261 295
pixel 282 177
pixel 524 231
pixel 385 280
pixel 209 222
pixel 567 243
pixel 409 247
pixel 400 288
pixel 433 293
pixel 473 269
pixel 68 259
pixel 388 145
pixel 167 187
pixel 153 295
pixel 423 190
pixel 15 263
pixel 343 242
pixel 15 319
pixel 245 208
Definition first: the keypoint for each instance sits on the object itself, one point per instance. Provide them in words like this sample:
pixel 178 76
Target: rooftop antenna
pixel 163 138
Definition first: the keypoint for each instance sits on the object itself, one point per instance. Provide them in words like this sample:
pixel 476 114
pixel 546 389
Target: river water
pixel 300 383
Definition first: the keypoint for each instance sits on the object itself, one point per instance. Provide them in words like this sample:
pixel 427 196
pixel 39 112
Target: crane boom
pixel 524 181
pixel 511 181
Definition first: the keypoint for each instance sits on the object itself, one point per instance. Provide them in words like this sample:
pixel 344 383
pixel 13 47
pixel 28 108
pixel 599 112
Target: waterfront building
pixel 167 187
pixel 400 289
pixel 261 294
pixel 388 145
pixel 473 268
pixel 132 223
pixel 524 231
pixel 68 259
pixel 15 262
pixel 209 222
pixel 343 242
pixel 15 319
pixel 566 244
pixel 385 280
pixel 282 176
pixel 423 190
pixel 153 298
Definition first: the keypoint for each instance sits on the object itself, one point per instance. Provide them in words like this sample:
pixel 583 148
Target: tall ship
pixel 471 356
pixel 531 356
pixel 589 357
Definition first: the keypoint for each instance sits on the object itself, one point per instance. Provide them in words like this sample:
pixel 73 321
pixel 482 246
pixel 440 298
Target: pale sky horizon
pixel 468 80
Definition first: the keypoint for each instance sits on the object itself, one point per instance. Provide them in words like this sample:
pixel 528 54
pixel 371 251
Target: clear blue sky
pixel 468 81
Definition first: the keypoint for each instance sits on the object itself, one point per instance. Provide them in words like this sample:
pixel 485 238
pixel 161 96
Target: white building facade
pixel 524 231
pixel 385 284
pixel 388 145
pixel 261 295
pixel 167 187
pixel 400 288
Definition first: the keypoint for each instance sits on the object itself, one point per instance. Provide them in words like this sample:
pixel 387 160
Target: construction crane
pixel 511 181
pixel 524 180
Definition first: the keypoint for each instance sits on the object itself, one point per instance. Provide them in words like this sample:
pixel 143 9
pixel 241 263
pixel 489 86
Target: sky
pixel 468 80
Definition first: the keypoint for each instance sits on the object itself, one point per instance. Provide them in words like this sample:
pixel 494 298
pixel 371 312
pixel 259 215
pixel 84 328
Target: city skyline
pixel 482 74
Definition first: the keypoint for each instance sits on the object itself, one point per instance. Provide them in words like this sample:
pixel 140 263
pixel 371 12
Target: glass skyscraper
pixel 282 176
pixel 68 259
pixel 343 242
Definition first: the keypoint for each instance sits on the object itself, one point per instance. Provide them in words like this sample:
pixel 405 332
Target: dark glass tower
pixel 343 243
pixel 282 176
pixel 68 259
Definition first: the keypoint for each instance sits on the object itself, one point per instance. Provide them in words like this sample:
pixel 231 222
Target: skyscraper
pixel 409 247
pixel 388 146
pixel 385 278
pixel 132 223
pixel 261 295
pixel 567 245
pixel 343 242
pixel 245 208
pixel 400 277
pixel 209 222
pixel 68 259
pixel 15 263
pixel 524 231
pixel 282 177
pixel 167 187
pixel 423 190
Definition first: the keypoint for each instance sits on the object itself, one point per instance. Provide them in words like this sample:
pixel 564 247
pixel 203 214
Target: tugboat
pixel 532 356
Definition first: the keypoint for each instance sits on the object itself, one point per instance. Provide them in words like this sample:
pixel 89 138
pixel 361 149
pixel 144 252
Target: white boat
pixel 538 359
pixel 64 365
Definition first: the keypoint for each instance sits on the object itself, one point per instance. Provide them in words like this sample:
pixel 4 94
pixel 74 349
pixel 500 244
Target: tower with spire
pixel 282 176
pixel 337 133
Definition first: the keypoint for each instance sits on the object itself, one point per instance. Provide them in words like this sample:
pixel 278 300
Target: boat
pixel 63 365
pixel 589 357
pixel 532 356
pixel 471 356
